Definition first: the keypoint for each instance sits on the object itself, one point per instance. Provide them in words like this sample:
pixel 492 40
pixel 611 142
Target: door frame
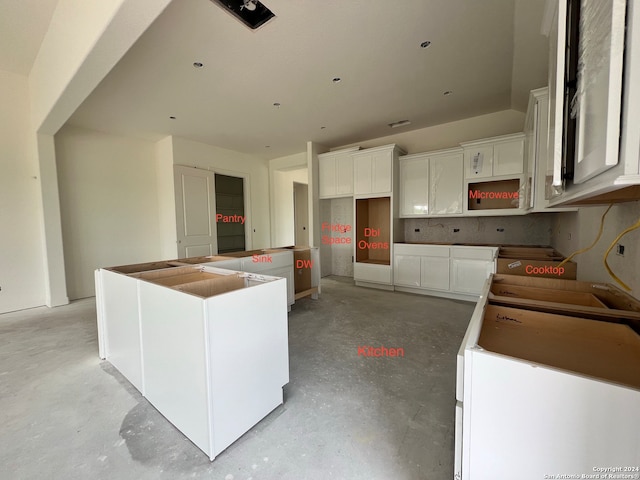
pixel 246 190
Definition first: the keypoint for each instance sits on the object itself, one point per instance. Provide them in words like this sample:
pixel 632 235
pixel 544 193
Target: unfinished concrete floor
pixel 67 415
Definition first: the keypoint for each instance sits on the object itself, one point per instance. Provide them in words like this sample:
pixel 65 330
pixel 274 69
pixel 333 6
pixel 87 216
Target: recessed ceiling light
pixel 425 44
pixel 172 117
pixel 401 123
pixel 336 79
pixel 447 93
pixel 198 64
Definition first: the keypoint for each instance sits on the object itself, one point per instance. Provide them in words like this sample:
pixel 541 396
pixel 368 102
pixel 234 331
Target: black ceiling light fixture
pixel 250 12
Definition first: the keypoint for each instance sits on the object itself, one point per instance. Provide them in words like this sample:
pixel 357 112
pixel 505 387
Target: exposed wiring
pixel 606 254
pixel 578 252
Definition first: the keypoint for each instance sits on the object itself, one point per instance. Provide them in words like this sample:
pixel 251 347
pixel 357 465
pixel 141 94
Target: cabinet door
pixel 508 157
pixel 327 179
pixel 446 184
pixel 381 172
pixel 468 276
pixel 414 186
pixel 361 174
pixel 434 273
pixel 344 174
pixel 407 271
pixel 479 161
pixel 599 88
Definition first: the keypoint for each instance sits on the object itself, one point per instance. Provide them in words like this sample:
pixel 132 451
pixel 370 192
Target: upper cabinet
pixel 336 173
pixel 373 170
pixel 494 157
pixel 594 128
pixel 431 184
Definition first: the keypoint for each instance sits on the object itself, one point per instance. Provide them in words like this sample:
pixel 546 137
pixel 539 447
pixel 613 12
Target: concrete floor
pixel 64 414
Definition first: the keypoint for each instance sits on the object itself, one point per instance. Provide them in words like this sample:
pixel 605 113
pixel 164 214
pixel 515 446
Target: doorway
pixel 301 213
pixel 230 213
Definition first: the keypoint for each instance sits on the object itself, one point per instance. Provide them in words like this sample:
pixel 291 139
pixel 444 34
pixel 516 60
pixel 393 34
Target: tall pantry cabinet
pixel 375 179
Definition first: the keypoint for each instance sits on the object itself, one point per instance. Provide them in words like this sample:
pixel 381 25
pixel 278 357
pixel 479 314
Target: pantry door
pixel 195 211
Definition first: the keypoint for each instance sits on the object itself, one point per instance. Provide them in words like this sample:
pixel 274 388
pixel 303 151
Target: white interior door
pixel 195 211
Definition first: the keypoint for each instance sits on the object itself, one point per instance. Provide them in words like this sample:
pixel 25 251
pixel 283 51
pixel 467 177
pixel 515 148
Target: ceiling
pixel 489 54
pixel 23 24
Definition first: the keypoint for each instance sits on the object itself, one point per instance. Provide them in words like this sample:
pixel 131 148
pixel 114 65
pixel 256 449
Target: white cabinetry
pixel 445 182
pixel 443 270
pixel 470 268
pixel 180 336
pixel 535 391
pixel 540 170
pixel 373 170
pixel 431 184
pixel 414 185
pixel 607 144
pixel 336 173
pixel 494 157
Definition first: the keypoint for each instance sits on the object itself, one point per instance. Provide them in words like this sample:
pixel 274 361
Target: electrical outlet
pixel 620 250
pixel 416 230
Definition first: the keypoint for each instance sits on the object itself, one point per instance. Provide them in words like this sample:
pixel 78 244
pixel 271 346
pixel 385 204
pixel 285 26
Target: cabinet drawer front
pixel 478 253
pixel 368 272
pixel 429 250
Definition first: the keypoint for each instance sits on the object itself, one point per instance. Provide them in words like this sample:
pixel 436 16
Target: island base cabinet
pixel 207 347
pixel 509 432
pixel 118 324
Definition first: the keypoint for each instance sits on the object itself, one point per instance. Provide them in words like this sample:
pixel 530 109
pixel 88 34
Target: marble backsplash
pixel 532 229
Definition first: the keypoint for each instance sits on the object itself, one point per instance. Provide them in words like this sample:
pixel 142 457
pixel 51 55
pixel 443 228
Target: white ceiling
pixel 489 53
pixel 23 24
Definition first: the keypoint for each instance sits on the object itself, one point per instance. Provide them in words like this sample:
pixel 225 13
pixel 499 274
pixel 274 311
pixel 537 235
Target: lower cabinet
pixel 207 347
pixel 547 395
pixel 443 270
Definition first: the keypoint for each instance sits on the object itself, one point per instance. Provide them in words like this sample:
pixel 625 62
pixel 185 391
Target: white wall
pixel 22 267
pixel 166 198
pixel 228 162
pixel 583 228
pixel 451 134
pixel 296 161
pixel 108 201
pixel 283 223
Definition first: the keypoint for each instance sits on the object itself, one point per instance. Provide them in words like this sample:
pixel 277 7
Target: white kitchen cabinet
pixel 414 185
pixel 336 173
pixel 508 157
pixel 431 184
pixel 195 361
pixel 273 262
pixel 407 270
pixel 494 157
pixel 446 172
pixel 607 160
pixel 434 272
pixel 373 170
pixel 535 392
pixel 470 268
pixel 443 270
pixel 539 170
